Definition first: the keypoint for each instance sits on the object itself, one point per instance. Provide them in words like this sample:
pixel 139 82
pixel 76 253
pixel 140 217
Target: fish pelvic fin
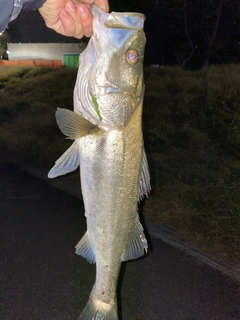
pixel 68 162
pixel 72 124
pixel 84 248
pixel 98 310
pixel 137 243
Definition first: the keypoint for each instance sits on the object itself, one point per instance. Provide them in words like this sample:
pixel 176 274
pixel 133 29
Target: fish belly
pixel 110 166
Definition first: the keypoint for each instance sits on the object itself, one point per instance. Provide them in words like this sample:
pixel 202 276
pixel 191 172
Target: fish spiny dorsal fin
pixel 84 248
pixel 137 243
pixel 73 125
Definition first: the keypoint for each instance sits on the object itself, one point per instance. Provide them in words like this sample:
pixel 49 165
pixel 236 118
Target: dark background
pixel 191 33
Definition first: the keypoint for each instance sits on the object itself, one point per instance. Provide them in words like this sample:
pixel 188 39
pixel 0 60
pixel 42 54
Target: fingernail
pixel 84 12
pixel 70 6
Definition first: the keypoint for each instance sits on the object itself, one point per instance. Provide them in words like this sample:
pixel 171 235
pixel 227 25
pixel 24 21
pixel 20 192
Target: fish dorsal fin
pixel 68 162
pixel 144 179
pixel 137 243
pixel 72 124
pixel 84 248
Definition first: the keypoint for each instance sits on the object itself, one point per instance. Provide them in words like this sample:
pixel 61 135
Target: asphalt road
pixel 43 279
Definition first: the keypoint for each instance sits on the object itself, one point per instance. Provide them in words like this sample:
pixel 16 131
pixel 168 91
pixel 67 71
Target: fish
pixel 106 126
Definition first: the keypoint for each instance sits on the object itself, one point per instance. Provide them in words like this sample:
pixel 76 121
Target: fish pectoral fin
pixel 137 243
pixel 144 179
pixel 68 162
pixel 72 124
pixel 84 248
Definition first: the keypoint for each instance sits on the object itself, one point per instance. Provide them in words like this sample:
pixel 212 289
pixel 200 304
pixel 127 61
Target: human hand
pixel 70 18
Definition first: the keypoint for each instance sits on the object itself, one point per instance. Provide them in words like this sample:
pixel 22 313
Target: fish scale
pixel 106 127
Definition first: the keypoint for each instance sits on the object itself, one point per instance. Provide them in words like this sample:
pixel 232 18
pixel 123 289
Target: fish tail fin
pixel 99 311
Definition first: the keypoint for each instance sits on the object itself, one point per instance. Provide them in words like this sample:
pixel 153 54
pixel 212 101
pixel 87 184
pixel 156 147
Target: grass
pixel 191 125
pixel 192 122
pixel 29 98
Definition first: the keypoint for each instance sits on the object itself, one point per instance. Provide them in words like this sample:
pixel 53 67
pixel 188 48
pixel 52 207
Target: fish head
pixel 114 65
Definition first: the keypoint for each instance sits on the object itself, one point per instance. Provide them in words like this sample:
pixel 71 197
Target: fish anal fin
pixel 72 124
pixel 137 243
pixel 68 162
pixel 84 248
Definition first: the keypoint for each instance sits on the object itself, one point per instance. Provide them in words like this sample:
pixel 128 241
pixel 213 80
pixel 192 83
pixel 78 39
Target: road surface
pixel 43 279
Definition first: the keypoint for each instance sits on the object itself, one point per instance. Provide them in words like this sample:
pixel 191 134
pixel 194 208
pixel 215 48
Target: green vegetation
pixel 29 98
pixel 191 125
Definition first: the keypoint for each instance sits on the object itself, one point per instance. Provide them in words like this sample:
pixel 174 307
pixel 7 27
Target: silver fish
pixel 106 127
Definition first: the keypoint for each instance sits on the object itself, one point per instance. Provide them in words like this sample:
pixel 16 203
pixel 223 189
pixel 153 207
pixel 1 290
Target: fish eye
pixel 132 56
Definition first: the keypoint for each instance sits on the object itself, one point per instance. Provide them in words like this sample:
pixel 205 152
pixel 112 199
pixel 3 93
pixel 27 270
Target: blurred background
pixel 179 32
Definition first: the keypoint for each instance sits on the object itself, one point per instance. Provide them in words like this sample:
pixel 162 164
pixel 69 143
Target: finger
pixel 68 24
pixel 58 27
pixel 103 4
pixel 78 28
pixel 86 19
